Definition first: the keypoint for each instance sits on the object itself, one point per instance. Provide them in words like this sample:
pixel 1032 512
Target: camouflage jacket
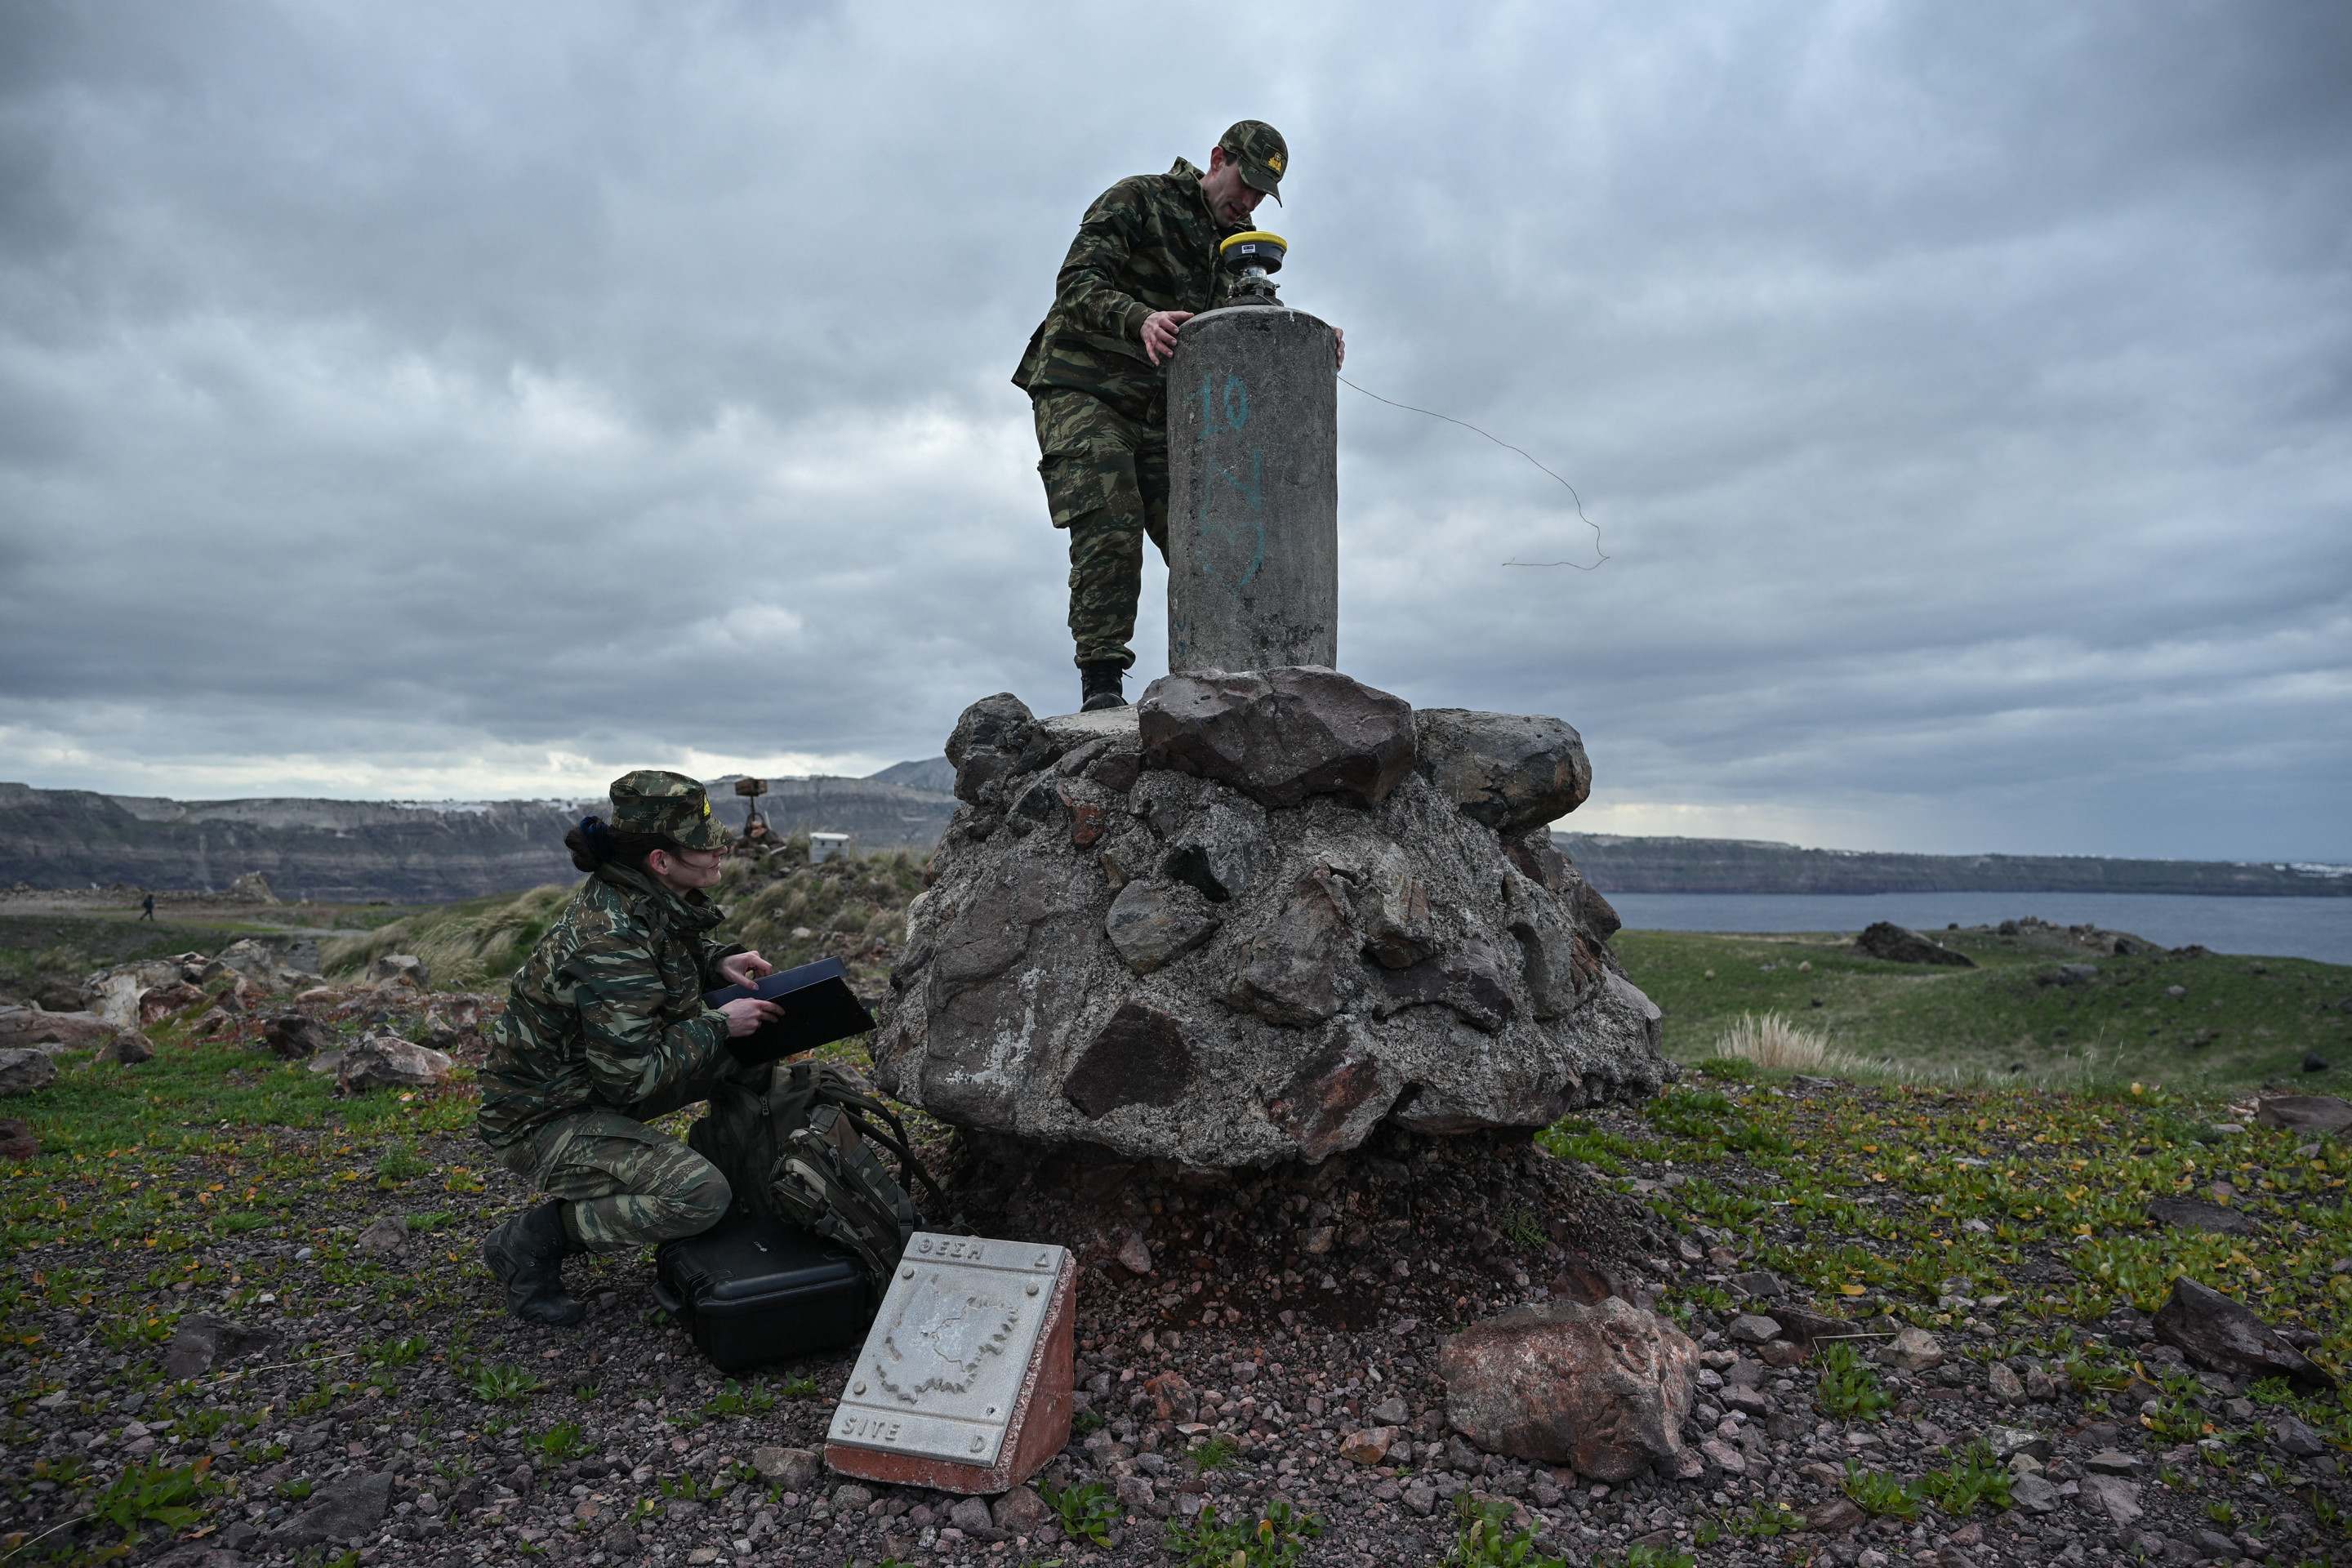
pixel 607 1011
pixel 1149 243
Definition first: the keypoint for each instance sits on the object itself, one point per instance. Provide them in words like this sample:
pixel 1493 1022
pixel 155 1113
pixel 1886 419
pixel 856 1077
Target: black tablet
pixel 819 1008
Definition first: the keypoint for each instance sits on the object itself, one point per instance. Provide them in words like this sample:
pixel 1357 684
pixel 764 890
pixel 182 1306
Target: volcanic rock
pixel 295 1036
pixel 346 1511
pixel 1221 982
pixel 113 993
pixel 1510 771
pixel 16 1140
pixel 399 969
pixel 35 1027
pixel 387 1061
pixel 1888 941
pixel 2223 1335
pixel 1279 735
pixel 2304 1112
pixel 129 1047
pixel 2196 1213
pixel 201 1342
pixel 1605 1388
pixel 24 1070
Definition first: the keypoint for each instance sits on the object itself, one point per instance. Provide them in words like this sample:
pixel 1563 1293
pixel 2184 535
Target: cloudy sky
pixel 460 400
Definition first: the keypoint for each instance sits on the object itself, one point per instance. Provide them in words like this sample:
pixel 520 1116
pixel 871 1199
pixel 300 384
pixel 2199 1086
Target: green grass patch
pixel 2240 1021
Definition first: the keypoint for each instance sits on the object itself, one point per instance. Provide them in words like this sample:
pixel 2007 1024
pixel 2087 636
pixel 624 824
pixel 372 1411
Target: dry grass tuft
pixel 1772 1041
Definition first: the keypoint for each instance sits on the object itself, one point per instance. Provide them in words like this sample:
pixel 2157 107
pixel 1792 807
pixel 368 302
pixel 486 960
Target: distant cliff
pixel 405 852
pixel 1618 864
pixel 420 853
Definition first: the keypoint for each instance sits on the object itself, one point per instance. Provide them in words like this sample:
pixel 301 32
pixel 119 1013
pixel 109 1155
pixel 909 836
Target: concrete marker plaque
pixel 964 1382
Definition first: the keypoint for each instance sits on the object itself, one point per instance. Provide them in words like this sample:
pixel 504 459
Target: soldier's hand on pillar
pixel 1340 338
pixel 1160 334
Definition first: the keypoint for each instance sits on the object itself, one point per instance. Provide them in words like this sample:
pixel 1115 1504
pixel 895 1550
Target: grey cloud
pixel 1962 392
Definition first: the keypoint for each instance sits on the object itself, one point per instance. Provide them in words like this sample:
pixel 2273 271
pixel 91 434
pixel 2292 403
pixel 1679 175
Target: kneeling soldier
pixel 604 1030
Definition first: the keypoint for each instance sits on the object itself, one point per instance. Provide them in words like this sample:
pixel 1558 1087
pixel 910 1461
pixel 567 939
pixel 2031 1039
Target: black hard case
pixel 753 1290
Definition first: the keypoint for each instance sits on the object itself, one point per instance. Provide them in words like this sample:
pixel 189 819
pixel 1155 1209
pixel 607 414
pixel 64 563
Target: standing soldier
pixel 1145 262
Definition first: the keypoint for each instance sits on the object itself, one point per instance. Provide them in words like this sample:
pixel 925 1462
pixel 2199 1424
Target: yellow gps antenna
pixel 1258 254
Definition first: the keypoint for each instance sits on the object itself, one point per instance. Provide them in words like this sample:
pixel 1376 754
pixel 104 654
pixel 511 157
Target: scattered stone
pixel 2068 974
pixel 387 1061
pixel 970 1515
pixel 1724 1456
pixel 2196 1213
pixel 794 1470
pixel 2116 1498
pixel 1021 1511
pixel 1133 1254
pixel 202 1343
pixel 1369 1447
pixel 1886 940
pixel 2222 1335
pixel 26 1071
pixel 1753 1329
pixel 129 1047
pixel 2290 1436
pixel 2034 1494
pixel 161 1002
pixel 1913 1349
pixel 1833 1516
pixel 1605 1388
pixel 2007 1387
pixel 22 1026
pixel 385 1235
pixel 2313 1062
pixel 16 1140
pixel 2321 1114
pixel 400 969
pixel 346 1511
pixel 2113 1462
pixel 2007 1443
pixel 295 1036
pixel 1279 735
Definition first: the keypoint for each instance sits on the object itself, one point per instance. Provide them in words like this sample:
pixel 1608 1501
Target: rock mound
pixel 1890 942
pixel 1239 925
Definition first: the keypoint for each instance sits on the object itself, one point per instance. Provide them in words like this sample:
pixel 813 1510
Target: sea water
pixel 2283 928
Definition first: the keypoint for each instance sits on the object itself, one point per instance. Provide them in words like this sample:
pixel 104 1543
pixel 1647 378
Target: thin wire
pixel 1523 452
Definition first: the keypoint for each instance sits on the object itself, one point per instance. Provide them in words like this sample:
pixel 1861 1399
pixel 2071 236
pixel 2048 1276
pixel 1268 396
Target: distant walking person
pixel 604 1030
pixel 147 907
pixel 1145 261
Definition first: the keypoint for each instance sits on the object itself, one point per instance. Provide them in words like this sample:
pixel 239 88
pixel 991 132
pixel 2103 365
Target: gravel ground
pixel 1233 1340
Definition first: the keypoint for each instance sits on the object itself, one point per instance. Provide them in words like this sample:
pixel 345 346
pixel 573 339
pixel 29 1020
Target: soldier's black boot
pixel 526 1253
pixel 1099 685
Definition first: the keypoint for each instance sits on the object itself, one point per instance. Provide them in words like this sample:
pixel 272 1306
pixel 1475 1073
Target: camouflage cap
pixel 1262 154
pixel 671 806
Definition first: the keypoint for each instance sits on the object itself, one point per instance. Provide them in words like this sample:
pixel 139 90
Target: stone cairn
pixel 1261 913
pixel 1253 918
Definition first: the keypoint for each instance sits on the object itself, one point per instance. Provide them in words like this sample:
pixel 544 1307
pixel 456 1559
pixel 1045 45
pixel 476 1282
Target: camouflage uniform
pixel 605 1030
pixel 1148 244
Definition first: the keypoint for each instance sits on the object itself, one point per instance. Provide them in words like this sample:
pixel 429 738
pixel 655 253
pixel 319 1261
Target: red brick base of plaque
pixel 1038 1429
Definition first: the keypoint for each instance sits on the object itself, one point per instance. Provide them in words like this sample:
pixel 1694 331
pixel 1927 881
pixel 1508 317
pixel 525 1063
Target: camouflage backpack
pixel 804 1152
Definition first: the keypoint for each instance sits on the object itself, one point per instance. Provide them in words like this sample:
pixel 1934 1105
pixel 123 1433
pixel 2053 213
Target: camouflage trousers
pixel 625 1184
pixel 1106 481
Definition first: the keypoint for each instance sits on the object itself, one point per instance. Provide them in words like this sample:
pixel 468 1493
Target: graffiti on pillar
pixel 1228 406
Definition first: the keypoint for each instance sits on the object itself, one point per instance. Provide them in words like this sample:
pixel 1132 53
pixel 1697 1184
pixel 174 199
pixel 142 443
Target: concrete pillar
pixel 1253 492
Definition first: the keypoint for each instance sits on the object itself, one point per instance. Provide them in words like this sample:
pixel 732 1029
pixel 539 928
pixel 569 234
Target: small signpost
pixel 965 1381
